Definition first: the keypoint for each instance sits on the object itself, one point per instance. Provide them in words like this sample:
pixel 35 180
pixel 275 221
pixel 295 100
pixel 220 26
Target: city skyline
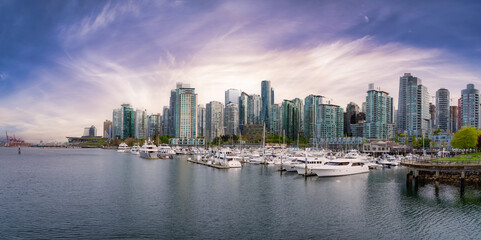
pixel 66 65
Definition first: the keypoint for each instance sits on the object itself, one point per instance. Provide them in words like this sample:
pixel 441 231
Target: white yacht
pixel 135 149
pixel 309 163
pixel 149 150
pixel 225 157
pixel 165 151
pixel 123 148
pixel 340 167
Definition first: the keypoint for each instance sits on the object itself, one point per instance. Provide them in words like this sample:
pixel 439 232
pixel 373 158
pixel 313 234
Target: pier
pixel 446 171
pixel 210 165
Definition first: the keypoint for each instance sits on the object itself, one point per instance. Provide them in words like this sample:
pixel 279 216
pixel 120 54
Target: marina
pixel 95 193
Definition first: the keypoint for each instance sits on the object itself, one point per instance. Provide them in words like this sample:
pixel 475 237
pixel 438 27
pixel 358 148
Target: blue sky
pixel 64 65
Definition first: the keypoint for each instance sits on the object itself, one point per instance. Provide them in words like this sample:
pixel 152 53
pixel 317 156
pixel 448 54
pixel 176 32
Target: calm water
pixel 102 194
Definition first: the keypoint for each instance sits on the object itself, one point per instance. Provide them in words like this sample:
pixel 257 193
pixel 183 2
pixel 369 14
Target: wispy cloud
pixel 136 52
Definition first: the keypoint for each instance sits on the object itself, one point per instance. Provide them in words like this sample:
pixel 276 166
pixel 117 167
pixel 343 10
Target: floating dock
pixel 210 165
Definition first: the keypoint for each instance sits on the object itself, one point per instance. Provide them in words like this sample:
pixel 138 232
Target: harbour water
pixel 102 194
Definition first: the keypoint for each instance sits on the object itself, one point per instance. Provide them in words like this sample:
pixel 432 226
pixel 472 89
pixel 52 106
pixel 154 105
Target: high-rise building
pixel 90 131
pixel 254 105
pixel 141 124
pixel 272 96
pixel 311 107
pixel 453 118
pixel 107 129
pixel 432 115
pixel 173 96
pixel 413 107
pixel 266 93
pixel 290 119
pixel 165 121
pixel 232 96
pixel 442 109
pixel 200 120
pixel 128 121
pixel 379 115
pixel 117 124
pixel 154 125
pixel 300 105
pixel 353 115
pixel 214 120
pixel 469 109
pixel 232 116
pixel 243 110
pixel 275 119
pixel 185 118
pixel 330 121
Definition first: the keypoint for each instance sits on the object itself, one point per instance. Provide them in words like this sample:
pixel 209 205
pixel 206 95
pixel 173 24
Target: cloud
pixel 115 55
pixel 340 70
pixel 3 76
pixel 366 19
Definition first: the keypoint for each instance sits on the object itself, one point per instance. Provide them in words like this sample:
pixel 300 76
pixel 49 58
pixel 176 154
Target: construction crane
pixel 13 141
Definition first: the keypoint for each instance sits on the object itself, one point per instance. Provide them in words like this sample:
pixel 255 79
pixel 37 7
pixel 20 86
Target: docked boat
pixel 165 151
pixel 149 150
pixel 309 162
pixel 123 148
pixel 340 167
pixel 226 157
pixel 135 149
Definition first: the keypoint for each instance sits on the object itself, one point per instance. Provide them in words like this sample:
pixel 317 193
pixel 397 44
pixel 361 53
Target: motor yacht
pixel 149 150
pixel 340 167
pixel 123 148
pixel 135 149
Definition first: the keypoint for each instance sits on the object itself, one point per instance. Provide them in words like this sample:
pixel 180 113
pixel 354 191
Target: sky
pixel 65 65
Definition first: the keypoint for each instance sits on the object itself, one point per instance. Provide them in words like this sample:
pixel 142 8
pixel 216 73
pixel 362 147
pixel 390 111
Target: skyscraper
pixel 232 116
pixel 442 109
pixel 272 96
pixel 243 110
pixel 141 124
pixel 128 121
pixel 379 115
pixel 117 124
pixel 432 115
pixel 330 121
pixel 254 105
pixel 266 93
pixel 311 107
pixel 154 125
pixel 275 119
pixel 214 120
pixel 453 119
pixel 200 120
pixel 300 105
pixel 290 119
pixel 165 121
pixel 413 107
pixel 107 129
pixel 171 117
pixel 185 118
pixel 353 115
pixel 232 96
pixel 469 109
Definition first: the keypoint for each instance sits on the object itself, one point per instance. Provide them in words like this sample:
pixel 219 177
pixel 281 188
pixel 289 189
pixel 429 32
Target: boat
pixel 225 157
pixel 165 151
pixel 135 149
pixel 123 148
pixel 340 167
pixel 149 150
pixel 309 163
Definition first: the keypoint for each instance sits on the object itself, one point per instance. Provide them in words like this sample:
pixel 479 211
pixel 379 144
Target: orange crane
pixel 13 141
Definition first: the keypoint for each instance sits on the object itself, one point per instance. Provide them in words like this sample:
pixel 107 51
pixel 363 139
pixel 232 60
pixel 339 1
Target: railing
pixel 437 161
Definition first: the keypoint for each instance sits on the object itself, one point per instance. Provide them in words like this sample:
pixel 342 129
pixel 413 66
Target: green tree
pixel 437 131
pixel 466 138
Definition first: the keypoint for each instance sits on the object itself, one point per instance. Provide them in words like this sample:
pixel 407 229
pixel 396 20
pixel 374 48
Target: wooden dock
pixel 210 165
pixel 461 171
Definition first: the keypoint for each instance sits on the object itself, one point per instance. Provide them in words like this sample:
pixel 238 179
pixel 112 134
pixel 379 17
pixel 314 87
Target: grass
pixel 470 157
